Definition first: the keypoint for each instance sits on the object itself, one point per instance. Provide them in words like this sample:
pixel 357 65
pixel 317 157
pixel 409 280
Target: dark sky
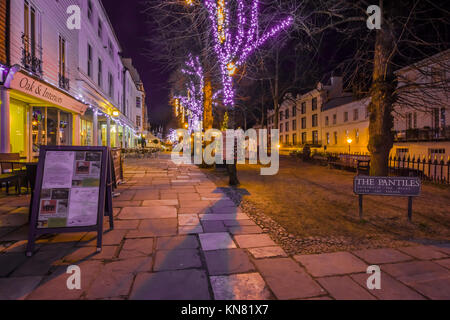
pixel 131 30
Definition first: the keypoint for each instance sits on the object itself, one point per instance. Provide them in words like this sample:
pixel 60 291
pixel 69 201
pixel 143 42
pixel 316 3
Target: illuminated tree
pixel 233 50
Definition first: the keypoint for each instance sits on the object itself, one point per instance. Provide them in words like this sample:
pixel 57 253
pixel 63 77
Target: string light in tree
pixel 195 94
pixel 233 51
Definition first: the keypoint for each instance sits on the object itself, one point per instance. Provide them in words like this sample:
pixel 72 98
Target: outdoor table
pixel 31 168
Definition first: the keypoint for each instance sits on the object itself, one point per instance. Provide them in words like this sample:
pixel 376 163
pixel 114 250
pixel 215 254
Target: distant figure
pixel 143 142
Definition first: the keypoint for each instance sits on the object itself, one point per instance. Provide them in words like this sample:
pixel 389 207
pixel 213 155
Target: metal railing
pixel 64 83
pixel 31 56
pixel 426 168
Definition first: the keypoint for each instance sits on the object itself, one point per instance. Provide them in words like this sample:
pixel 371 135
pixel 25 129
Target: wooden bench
pixel 363 166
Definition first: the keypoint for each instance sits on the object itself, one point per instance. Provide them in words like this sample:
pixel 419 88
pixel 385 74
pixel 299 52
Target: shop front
pixel 39 114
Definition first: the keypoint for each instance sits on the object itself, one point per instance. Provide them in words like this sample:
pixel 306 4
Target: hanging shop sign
pixel 38 89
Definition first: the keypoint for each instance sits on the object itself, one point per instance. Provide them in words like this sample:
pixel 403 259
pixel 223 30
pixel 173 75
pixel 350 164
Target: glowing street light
pixel 115 113
pixel 349 141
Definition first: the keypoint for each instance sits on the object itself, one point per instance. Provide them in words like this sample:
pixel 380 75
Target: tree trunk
pixel 232 168
pixel 380 108
pixel 275 91
pixel 207 105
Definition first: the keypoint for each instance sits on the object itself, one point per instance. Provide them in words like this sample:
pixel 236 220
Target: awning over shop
pixel 30 86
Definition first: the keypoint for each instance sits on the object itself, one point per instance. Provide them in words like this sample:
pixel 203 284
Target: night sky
pixel 131 30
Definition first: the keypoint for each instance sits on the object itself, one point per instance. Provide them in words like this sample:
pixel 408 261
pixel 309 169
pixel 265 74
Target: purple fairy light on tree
pixel 195 94
pixel 234 50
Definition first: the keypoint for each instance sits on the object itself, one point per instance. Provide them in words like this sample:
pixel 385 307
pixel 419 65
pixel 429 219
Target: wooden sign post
pixel 387 186
pixel 73 192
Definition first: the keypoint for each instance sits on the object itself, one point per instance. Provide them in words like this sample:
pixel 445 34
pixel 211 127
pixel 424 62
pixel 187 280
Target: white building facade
pixel 62 86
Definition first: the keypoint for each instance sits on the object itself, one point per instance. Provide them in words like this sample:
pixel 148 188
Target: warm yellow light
pixel 186 125
pixel 231 68
pixel 190 2
pixel 349 140
pixel 279 146
pixel 34 123
pixel 115 113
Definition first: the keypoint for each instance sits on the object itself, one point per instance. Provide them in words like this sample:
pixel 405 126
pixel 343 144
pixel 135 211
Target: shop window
pixel 18 128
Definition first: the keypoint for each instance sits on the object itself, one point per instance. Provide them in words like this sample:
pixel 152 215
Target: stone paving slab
pixel 213 226
pixel 154 212
pixel 223 262
pixel 329 264
pixel 287 280
pixel 344 288
pixel 136 248
pixel 192 229
pixel 248 286
pixel 116 278
pixel 254 241
pixel 379 256
pixel 177 259
pixel 171 285
pixel 23 286
pixel 54 286
pixel 267 252
pixel 216 241
pixel 178 242
pixel 428 278
pixel 391 289
pixel 445 263
pixel 423 252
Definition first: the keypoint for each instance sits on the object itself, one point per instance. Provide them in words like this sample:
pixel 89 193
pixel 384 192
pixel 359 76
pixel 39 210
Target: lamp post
pixel 349 141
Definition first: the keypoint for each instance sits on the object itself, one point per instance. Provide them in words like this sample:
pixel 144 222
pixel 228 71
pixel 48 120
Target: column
pixel 108 132
pixel 76 130
pixel 124 136
pixel 117 135
pixel 95 129
pixel 5 146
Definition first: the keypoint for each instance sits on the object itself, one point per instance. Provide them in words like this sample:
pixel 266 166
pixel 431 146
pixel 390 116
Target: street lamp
pixel 349 141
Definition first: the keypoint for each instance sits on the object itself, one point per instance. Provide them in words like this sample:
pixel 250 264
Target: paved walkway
pixel 177 236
